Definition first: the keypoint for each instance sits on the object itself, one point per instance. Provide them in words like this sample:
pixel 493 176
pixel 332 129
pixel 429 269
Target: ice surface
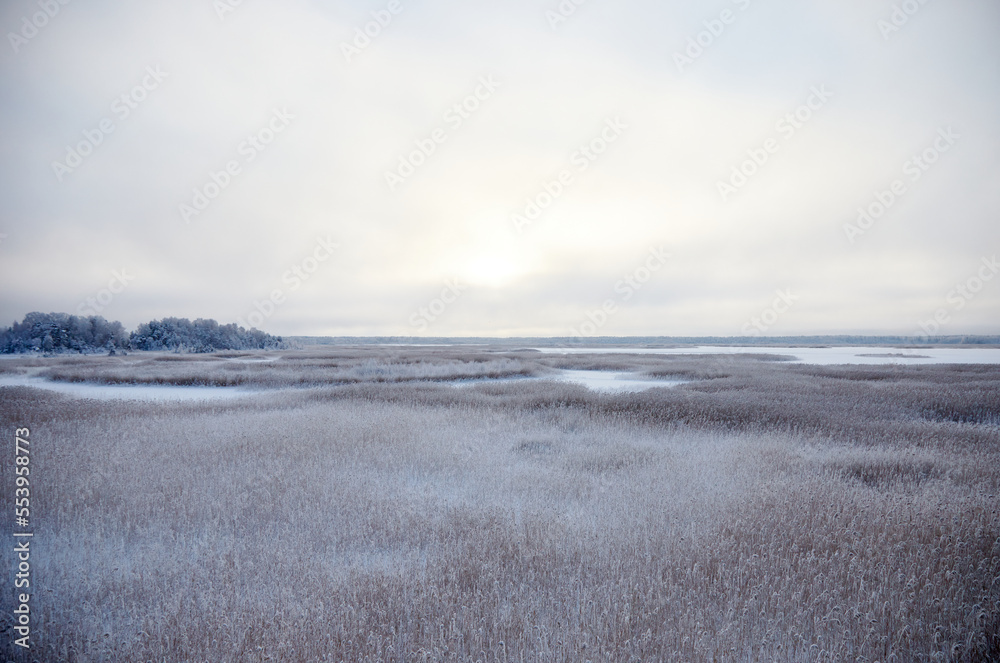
pixel 824 356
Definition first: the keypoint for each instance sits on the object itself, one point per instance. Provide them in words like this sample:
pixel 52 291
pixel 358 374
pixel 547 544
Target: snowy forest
pixel 53 333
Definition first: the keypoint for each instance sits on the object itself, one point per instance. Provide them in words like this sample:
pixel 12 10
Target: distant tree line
pixel 61 332
pixel 199 336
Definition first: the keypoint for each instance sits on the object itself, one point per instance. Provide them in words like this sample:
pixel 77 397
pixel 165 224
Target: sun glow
pixel 494 270
pixel 491 257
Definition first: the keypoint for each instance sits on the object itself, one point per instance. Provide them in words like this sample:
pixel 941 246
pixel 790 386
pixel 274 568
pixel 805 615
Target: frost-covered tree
pixel 181 334
pixel 61 332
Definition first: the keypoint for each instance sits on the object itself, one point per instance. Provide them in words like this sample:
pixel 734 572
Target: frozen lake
pixel 126 391
pixel 613 382
pixel 822 356
pixel 603 381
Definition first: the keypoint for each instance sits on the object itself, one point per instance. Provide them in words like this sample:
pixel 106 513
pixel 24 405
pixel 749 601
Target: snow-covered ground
pixel 611 381
pixel 126 391
pixel 604 381
pixel 823 356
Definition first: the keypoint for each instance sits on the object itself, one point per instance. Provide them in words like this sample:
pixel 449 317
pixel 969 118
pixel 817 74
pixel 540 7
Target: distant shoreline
pixel 898 342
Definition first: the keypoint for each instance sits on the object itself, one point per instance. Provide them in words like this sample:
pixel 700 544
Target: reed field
pixel 366 505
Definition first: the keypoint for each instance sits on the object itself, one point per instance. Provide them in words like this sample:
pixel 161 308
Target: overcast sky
pixel 359 200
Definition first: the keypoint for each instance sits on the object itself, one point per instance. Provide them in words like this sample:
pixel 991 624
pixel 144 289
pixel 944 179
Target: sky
pixel 524 168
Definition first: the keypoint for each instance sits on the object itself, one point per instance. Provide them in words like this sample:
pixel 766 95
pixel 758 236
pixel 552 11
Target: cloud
pixel 658 184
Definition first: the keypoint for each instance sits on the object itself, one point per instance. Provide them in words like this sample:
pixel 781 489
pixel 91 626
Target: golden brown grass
pixel 770 513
